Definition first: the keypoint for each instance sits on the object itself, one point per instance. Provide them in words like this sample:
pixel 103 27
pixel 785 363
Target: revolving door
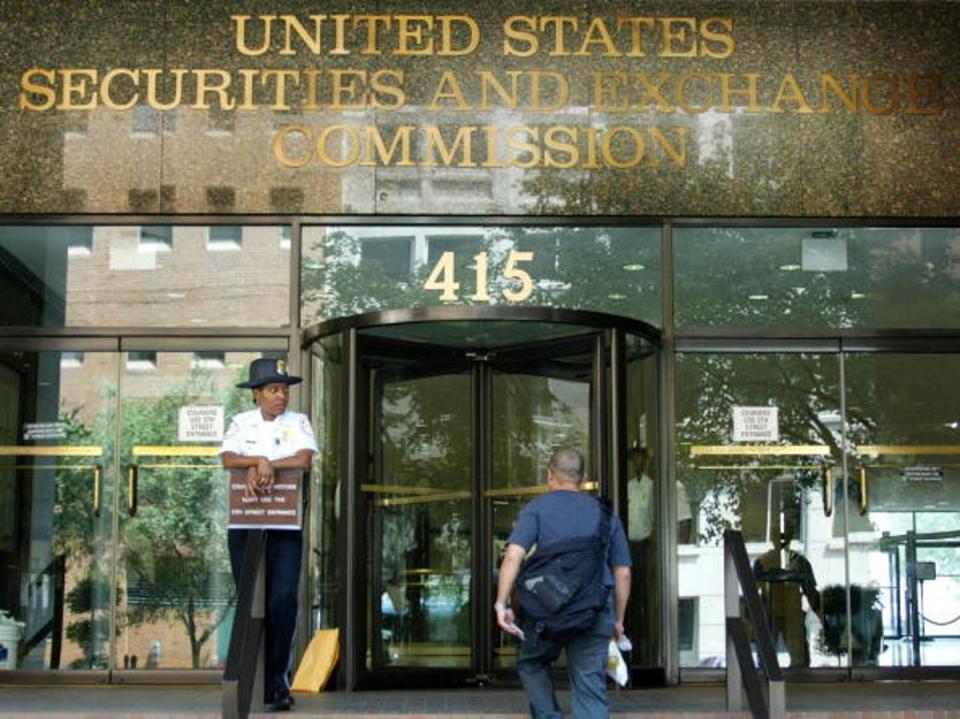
pixel 437 429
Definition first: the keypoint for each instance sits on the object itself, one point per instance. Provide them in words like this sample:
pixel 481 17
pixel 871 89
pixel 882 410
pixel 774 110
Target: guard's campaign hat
pixel 267 371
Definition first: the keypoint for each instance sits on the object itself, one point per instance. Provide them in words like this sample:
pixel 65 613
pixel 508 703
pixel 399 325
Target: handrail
pixel 741 670
pixel 243 675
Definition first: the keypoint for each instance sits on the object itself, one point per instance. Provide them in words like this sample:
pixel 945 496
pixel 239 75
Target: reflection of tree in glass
pixel 533 416
pixel 175 547
pixel 803 387
pixel 755 277
pixel 77 541
pixel 176 557
pixel 338 282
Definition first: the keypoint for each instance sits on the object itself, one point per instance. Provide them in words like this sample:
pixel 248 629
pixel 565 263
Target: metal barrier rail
pixel 742 674
pixel 243 675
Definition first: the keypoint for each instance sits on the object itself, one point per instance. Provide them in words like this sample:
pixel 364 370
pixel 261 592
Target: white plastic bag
pixel 616 666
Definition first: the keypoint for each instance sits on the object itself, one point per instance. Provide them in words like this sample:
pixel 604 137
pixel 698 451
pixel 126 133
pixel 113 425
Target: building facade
pixel 714 245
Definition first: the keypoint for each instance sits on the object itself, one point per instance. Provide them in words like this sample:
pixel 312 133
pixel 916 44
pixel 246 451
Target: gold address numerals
pixel 442 278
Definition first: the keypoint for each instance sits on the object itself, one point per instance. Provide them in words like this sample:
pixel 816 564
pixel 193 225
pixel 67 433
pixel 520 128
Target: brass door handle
pixel 864 497
pixel 133 475
pixel 828 491
pixel 97 481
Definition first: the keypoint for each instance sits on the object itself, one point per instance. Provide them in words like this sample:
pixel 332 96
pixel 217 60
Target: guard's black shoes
pixel 281 702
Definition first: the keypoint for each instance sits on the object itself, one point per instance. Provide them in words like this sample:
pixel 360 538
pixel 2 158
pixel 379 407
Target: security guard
pixel 262 441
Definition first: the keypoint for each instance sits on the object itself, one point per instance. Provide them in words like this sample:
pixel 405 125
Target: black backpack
pixel 560 588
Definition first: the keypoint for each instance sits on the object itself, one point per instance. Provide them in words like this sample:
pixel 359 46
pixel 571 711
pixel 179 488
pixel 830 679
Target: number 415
pixel 443 277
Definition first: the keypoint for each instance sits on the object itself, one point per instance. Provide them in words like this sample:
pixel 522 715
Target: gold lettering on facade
pixel 78 93
pixel 153 82
pixel 623 91
pixel 790 91
pixel 216 82
pixel 384 155
pixel 436 144
pixel 448 89
pixel 750 93
pixel 881 95
pixel 30 90
pixel 925 93
pixel 488 80
pixel 346 136
pixel 362 34
pixel 106 96
pixel 468 146
pixel 683 98
pixel 566 36
pixel 280 146
pixel 677 37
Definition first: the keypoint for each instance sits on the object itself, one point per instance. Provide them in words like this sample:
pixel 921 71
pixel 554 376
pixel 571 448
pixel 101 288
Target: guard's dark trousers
pixel 283 574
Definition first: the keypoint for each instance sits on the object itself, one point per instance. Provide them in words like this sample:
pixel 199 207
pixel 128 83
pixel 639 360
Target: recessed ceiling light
pixel 634 267
pixel 790 268
pixel 758 297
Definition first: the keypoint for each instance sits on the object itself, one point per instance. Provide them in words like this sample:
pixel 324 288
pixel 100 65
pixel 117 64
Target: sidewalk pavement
pixel 873 700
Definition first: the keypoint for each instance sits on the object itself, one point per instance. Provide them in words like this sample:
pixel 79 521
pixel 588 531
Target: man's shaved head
pixel 567 465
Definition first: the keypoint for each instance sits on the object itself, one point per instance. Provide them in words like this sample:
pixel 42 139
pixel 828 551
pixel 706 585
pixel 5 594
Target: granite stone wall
pixel 811 108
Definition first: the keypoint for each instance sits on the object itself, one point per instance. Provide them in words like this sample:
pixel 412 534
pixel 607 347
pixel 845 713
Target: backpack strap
pixel 604 525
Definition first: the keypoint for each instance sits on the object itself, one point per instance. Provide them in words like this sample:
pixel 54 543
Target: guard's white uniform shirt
pixel 250 435
pixel 639 508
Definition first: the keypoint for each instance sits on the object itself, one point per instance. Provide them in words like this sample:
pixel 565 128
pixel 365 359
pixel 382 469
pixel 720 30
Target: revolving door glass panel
pixel 419 516
pixel 457 414
pixel 538 403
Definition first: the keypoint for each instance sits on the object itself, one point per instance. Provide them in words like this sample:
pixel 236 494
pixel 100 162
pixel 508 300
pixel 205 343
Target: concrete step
pixel 868 700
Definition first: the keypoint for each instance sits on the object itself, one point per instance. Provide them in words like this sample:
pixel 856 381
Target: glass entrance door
pixel 459 440
pixel 760 450
pixel 904 520
pixel 112 510
pixel 174 590
pixel 57 486
pixel 541 398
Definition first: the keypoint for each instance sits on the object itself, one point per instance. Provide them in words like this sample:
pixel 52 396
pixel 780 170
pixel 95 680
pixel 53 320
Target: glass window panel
pixel 156 238
pixel 57 484
pixel 143 276
pixel 770 487
pixel 348 270
pixel 642 491
pixel 811 278
pixel 324 508
pixel 389 256
pixel 420 521
pixel 173 570
pixel 225 237
pixel 904 414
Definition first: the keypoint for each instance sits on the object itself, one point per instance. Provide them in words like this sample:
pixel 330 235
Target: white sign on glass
pixel 756 424
pixel 200 424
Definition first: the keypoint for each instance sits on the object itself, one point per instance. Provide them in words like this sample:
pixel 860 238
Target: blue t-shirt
pixel 561 515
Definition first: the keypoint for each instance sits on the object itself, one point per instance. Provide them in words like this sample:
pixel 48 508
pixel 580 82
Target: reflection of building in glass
pixel 159 162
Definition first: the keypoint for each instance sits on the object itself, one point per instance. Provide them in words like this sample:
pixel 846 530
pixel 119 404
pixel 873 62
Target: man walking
pixel 566 514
